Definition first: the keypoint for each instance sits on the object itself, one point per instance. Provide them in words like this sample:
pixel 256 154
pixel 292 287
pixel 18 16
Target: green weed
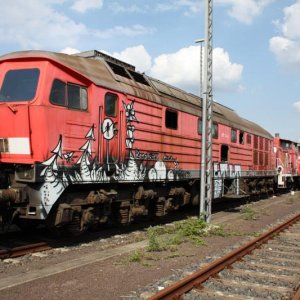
pixel 198 241
pixel 175 240
pixel 153 242
pixel 136 256
pixel 248 213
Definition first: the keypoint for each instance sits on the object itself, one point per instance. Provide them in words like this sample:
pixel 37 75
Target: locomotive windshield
pixel 19 85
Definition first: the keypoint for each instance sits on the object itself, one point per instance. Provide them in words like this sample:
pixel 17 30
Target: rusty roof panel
pixel 93 70
pixel 160 86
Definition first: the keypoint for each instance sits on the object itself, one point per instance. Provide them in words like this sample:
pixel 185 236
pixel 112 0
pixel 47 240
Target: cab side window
pixel 233 135
pixel 58 93
pixel 241 137
pixel 215 131
pixel 69 95
pixel 199 126
pixel 249 139
pixel 110 105
pixel 171 119
pixel 77 97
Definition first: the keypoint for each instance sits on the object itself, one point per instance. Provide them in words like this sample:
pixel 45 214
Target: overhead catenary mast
pixel 206 180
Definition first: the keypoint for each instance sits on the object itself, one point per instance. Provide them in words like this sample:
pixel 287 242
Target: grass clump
pixel 175 240
pixel 153 242
pixel 136 256
pixel 217 231
pixel 168 238
pixel 187 230
pixel 190 230
pixel 249 214
pixel 197 241
pixel 191 227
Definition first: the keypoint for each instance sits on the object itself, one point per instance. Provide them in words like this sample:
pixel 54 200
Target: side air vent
pixel 127 73
pixel 138 77
pixel 118 70
pixel 118 67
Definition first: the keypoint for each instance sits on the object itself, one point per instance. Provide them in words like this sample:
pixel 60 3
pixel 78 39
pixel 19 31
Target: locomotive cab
pixel 52 115
pixel 34 95
pixel 29 112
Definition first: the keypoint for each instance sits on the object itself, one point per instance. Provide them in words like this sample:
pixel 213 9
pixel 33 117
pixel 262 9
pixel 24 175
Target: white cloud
pixel 83 5
pixel 117 7
pixel 291 23
pixel 188 6
pixel 287 52
pixel 245 10
pixel 296 105
pixel 226 73
pixel 182 69
pixel 286 47
pixel 35 24
pixel 130 31
pixel 69 50
pixel 137 56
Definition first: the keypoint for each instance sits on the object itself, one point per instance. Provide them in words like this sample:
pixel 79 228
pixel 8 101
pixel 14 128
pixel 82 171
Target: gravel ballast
pixel 135 274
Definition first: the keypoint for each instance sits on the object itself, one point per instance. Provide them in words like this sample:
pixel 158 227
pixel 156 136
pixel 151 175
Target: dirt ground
pixel 121 274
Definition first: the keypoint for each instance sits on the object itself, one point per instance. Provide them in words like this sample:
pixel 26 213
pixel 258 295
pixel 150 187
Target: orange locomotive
pixel 85 140
pixel 287 161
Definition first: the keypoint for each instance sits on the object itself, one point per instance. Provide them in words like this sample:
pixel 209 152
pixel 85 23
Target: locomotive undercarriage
pixel 120 204
pixel 258 186
pixel 239 187
pixel 90 205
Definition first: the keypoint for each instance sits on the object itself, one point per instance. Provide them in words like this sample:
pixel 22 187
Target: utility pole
pixel 201 41
pixel 206 179
pixel 203 135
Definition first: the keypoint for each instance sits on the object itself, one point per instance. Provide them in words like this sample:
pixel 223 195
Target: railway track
pixel 267 267
pixel 23 250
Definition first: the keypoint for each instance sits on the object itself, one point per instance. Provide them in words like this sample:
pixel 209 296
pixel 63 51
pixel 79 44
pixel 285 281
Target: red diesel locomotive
pixel 287 161
pixel 85 140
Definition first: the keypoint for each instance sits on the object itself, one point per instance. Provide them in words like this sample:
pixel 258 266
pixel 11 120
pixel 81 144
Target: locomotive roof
pixel 104 70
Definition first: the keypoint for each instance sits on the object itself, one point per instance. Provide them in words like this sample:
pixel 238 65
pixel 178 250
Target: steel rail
pixel 297 295
pixel 194 280
pixel 23 250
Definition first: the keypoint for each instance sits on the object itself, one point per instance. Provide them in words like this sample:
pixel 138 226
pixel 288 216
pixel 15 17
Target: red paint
pixel 287 155
pixel 43 122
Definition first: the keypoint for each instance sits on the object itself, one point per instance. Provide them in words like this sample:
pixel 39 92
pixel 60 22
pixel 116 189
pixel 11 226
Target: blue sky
pixel 256 46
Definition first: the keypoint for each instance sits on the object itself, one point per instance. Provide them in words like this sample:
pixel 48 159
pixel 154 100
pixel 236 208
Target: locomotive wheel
pixel 160 207
pixel 74 227
pixel 125 216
